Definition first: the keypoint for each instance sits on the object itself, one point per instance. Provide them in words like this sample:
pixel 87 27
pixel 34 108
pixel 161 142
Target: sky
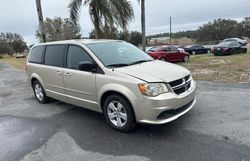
pixel 20 16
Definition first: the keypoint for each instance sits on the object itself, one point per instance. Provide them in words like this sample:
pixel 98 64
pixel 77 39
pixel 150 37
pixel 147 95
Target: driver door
pixel 80 86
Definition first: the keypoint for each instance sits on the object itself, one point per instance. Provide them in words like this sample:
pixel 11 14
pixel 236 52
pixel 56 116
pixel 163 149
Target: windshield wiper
pixel 140 61
pixel 117 65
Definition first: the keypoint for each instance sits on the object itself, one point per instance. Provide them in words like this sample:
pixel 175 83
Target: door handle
pixel 59 72
pixel 67 74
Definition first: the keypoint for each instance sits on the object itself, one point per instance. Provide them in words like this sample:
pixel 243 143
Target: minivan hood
pixel 155 71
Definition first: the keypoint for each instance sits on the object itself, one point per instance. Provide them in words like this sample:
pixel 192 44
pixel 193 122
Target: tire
pixel 118 113
pixel 186 59
pixel 163 59
pixel 39 93
pixel 193 52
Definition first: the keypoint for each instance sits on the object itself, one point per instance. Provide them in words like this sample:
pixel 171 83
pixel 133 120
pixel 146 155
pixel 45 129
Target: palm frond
pixel 74 10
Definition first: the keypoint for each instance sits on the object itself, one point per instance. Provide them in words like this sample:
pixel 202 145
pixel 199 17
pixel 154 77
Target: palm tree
pixel 104 13
pixel 143 26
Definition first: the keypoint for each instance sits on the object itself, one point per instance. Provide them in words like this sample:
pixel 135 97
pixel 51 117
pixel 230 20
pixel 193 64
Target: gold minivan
pixel 112 77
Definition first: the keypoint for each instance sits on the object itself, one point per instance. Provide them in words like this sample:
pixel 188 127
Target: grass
pixel 17 63
pixel 233 68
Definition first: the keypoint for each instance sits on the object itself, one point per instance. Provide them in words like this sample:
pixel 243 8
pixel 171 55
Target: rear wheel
pixel 118 113
pixel 163 59
pixel 39 92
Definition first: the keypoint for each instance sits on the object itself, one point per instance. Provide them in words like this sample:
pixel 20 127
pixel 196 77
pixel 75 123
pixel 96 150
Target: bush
pixel 1 56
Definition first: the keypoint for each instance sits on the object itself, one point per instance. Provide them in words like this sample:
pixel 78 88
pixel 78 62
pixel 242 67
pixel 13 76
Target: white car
pixel 240 41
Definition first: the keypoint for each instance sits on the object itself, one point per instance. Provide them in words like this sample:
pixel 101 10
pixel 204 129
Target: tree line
pixel 11 43
pixel 217 29
pixel 65 29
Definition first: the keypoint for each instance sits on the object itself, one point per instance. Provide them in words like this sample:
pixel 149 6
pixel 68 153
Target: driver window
pixel 75 56
pixel 166 49
pixel 173 48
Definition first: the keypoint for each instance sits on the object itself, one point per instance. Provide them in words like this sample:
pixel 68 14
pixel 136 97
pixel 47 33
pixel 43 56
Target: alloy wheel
pixel 39 92
pixel 117 113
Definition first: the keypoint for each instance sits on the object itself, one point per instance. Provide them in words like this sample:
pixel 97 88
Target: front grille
pixel 181 85
pixel 170 113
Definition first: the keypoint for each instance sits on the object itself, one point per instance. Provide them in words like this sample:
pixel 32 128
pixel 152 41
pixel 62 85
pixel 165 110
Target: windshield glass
pixel 189 46
pixel 224 44
pixel 118 53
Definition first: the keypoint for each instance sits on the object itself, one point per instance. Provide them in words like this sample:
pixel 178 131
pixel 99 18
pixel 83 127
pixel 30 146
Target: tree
pixel 104 13
pixel 135 38
pixel 143 26
pixel 19 46
pixel 123 35
pixel 218 29
pixel 107 33
pixel 5 48
pixel 12 42
pixel 59 29
pixel 244 27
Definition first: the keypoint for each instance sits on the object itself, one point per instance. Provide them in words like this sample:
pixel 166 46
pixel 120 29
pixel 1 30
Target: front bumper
pixel 166 107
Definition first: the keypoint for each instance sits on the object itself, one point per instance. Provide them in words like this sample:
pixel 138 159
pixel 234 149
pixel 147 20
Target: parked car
pixel 197 49
pixel 112 77
pixel 168 53
pixel 18 56
pixel 227 48
pixel 149 47
pixel 238 40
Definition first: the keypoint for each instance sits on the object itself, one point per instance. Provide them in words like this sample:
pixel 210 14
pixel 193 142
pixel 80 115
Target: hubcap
pixel 117 113
pixel 39 92
pixel 186 59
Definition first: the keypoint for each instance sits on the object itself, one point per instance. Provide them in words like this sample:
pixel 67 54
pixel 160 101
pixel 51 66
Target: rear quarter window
pixel 36 55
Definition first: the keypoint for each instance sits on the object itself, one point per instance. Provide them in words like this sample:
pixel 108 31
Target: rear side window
pixel 36 55
pixel 75 56
pixel 54 55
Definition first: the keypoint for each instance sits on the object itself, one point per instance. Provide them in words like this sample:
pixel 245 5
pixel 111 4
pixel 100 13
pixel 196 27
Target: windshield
pixel 189 46
pixel 224 44
pixel 118 53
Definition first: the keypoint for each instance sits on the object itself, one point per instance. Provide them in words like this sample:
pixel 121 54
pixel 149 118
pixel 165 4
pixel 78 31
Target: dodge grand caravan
pixel 112 77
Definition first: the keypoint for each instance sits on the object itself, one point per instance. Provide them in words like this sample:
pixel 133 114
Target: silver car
pixel 112 77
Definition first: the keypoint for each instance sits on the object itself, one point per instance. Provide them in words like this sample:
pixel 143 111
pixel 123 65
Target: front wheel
pixel 163 59
pixel 118 113
pixel 186 59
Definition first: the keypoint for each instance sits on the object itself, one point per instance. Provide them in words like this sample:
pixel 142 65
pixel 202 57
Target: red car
pixel 168 53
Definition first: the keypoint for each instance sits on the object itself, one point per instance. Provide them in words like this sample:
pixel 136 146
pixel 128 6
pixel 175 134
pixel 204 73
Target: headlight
pixel 153 89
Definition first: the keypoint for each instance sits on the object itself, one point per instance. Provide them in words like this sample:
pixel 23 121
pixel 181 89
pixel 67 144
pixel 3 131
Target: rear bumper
pixel 167 107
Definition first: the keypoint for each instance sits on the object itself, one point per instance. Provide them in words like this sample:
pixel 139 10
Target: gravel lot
pixel 217 128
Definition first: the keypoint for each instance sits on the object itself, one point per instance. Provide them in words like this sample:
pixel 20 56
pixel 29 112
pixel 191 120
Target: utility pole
pixel 143 26
pixel 170 32
pixel 40 18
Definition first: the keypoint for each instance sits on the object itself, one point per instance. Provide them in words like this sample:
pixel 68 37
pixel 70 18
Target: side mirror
pixel 87 66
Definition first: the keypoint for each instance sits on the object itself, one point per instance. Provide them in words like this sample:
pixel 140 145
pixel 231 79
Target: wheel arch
pixel 35 77
pixel 113 89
